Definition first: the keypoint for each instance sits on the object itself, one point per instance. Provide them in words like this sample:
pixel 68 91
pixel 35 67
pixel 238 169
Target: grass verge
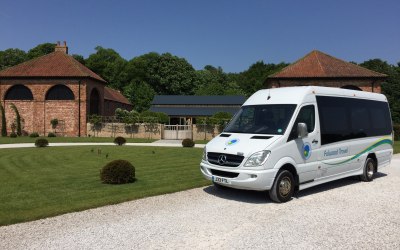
pixel 26 139
pixel 42 182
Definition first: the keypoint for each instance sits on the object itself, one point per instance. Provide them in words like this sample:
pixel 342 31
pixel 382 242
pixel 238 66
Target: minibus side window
pixel 307 116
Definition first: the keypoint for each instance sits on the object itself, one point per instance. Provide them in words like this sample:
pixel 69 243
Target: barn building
pixel 56 86
pixel 184 109
pixel 320 69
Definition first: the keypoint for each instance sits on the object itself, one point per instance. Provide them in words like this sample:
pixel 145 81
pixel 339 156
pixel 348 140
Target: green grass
pixel 26 139
pixel 41 182
pixel 201 141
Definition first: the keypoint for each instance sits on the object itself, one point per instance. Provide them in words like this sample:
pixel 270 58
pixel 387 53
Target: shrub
pixel 13 135
pixel 34 135
pixel 396 130
pixel 17 119
pixel 51 134
pixel 118 172
pixel 3 121
pixel 187 143
pixel 41 142
pixel 119 140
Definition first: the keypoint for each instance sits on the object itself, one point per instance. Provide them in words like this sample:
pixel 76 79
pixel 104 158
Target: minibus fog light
pixel 257 159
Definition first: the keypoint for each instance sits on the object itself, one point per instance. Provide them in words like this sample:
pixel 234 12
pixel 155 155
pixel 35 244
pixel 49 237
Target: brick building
pixel 320 69
pixel 56 86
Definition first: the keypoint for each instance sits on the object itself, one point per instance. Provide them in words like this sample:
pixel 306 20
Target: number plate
pixel 220 180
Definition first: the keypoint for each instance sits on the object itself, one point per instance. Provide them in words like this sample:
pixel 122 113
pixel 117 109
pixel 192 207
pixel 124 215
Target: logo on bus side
pixel 232 142
pixel 306 150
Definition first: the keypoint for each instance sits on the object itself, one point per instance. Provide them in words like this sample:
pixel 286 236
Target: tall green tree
pixel 254 77
pixel 213 81
pixel 3 121
pixel 79 58
pixel 165 73
pixel 11 57
pixel 109 65
pixel 140 94
pixel 41 50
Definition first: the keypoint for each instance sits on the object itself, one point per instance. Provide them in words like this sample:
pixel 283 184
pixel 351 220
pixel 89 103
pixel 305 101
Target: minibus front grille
pixel 224 173
pixel 226 160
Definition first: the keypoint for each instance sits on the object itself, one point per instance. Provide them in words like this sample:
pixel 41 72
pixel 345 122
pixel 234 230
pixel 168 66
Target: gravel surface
pixel 343 214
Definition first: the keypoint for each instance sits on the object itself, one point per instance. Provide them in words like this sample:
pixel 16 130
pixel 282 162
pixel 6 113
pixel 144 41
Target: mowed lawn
pixel 27 139
pixel 41 182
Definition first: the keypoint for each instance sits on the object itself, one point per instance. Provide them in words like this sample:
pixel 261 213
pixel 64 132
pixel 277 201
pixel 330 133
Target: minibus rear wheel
pixel 283 188
pixel 369 170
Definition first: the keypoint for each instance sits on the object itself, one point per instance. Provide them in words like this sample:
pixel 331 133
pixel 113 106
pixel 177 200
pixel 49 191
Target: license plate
pixel 220 180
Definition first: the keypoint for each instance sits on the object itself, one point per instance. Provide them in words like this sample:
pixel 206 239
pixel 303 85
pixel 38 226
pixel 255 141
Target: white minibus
pixel 283 140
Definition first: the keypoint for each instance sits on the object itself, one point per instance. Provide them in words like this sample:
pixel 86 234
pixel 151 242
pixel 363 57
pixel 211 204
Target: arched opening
pixel 352 87
pixel 60 92
pixel 18 92
pixel 94 102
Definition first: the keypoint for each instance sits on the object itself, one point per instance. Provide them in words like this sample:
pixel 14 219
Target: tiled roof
pixel 115 95
pixel 55 64
pixel 318 64
pixel 198 100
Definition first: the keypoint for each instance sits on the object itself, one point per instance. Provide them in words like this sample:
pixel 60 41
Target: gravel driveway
pixel 343 214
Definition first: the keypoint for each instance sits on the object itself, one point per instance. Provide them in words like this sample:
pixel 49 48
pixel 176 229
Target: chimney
pixel 62 48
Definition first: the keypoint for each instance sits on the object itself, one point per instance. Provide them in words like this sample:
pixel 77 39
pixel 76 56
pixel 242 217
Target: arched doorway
pixel 352 87
pixel 94 102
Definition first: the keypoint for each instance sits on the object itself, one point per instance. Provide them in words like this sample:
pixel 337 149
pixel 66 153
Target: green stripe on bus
pixel 376 144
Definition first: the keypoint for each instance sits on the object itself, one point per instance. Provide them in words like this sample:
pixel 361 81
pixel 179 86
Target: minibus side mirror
pixel 302 130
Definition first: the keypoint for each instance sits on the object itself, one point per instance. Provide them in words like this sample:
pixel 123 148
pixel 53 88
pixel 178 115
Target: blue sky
pixel 231 34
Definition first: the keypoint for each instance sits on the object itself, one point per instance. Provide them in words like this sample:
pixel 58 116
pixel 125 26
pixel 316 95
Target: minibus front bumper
pixel 249 179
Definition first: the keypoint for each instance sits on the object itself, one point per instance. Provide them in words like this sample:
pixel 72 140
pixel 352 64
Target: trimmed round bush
pixel 41 142
pixel 51 135
pixel 119 140
pixel 187 143
pixel 13 135
pixel 118 172
pixel 34 134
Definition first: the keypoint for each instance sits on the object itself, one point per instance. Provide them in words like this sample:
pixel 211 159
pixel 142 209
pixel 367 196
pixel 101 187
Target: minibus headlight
pixel 257 159
pixel 204 154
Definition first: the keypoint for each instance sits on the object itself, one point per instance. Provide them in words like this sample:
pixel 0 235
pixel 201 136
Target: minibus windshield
pixel 262 119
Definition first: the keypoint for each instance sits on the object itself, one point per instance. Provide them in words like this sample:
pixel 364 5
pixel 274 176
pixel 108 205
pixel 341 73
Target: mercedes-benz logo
pixel 222 159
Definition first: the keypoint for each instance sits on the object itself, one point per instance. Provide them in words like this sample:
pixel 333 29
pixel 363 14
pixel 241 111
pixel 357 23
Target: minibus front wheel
pixel 283 188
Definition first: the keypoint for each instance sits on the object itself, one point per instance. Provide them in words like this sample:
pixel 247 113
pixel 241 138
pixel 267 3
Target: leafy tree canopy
pixel 109 65
pixel 165 73
pixel 140 94
pixel 11 57
pixel 41 50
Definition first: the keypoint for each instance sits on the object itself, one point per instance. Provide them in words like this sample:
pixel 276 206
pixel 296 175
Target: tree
pixel 3 121
pixel 79 58
pixel 109 65
pixel 165 73
pixel 254 77
pixel 213 81
pixel 11 57
pixel 140 94
pixel 18 119
pixel 41 50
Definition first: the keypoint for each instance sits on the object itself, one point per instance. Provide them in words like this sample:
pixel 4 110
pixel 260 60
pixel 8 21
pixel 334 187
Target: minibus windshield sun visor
pixel 270 119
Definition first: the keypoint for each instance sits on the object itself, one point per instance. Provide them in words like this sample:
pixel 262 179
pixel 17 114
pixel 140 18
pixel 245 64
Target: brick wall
pixel 38 113
pixel 120 129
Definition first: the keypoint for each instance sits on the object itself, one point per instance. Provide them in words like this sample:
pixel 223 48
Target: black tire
pixel 369 170
pixel 283 188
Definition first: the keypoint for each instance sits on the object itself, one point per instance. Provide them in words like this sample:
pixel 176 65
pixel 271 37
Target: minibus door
pixel 307 147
